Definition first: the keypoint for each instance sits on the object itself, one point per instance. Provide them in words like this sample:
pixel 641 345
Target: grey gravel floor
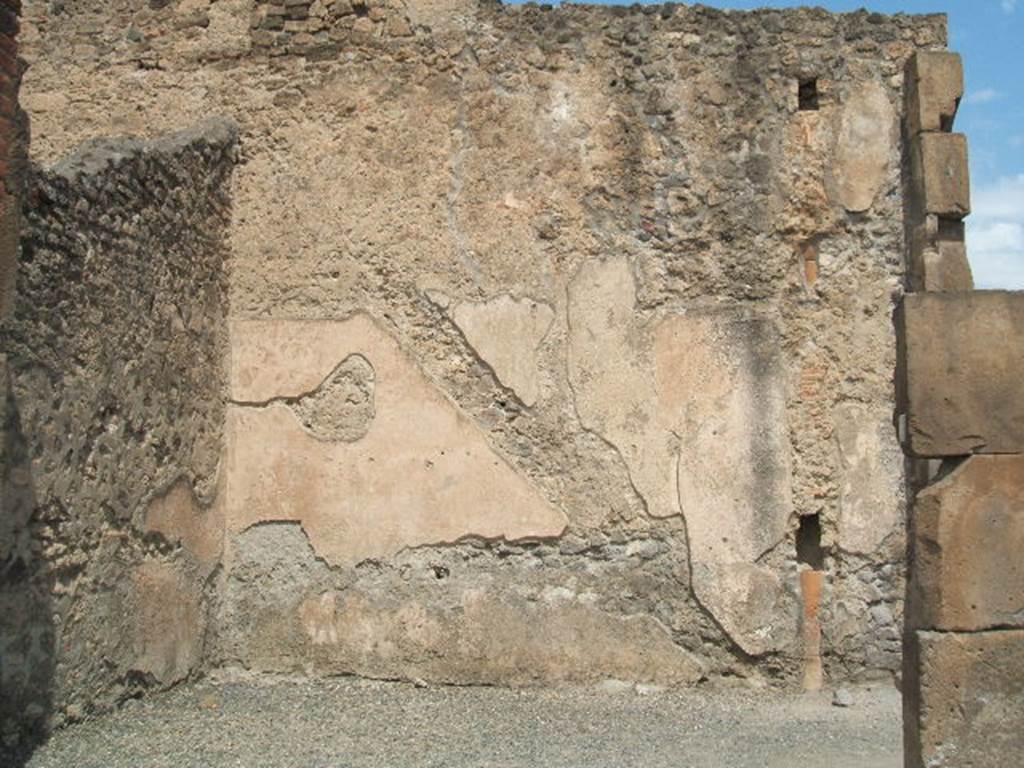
pixel 349 723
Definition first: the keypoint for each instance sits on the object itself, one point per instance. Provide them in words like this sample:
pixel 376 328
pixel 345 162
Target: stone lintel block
pixel 960 373
pixel 938 257
pixel 941 180
pixel 963 699
pixel 967 548
pixel 934 85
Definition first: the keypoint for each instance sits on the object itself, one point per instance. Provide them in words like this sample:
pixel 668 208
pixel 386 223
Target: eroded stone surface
pixel 423 473
pixel 963 701
pixel 938 256
pixel 871 489
pixel 342 407
pixel 863 149
pixel 941 180
pixel 452 617
pixel 960 380
pixel 115 350
pixel 506 332
pixel 934 85
pixel 968 548
pixel 695 403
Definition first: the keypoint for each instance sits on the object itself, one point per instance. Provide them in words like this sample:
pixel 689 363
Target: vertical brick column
pixel 960 401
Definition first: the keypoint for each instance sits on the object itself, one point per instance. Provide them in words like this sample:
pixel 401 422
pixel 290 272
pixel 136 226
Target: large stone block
pixel 968 548
pixel 938 257
pixel 963 699
pixel 960 373
pixel 941 180
pixel 934 84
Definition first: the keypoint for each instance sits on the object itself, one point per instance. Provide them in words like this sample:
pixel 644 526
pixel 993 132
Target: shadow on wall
pixel 27 632
pixel 112 395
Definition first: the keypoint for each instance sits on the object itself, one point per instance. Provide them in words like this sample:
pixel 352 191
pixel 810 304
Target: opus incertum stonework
pixel 443 341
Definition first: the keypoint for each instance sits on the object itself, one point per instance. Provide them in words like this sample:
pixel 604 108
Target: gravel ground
pixel 348 723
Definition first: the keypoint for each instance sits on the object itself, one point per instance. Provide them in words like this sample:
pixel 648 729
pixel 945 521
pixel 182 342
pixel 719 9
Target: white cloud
pixel 1009 5
pixel 995 234
pixel 984 96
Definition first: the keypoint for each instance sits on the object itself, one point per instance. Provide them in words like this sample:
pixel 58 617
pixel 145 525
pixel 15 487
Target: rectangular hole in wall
pixel 808 94
pixel 950 231
pixel 808 543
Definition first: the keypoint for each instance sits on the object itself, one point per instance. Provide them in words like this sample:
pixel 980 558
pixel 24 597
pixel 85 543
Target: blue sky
pixel 989 34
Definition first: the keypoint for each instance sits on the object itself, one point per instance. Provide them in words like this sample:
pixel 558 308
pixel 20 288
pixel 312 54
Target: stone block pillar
pixel 960 413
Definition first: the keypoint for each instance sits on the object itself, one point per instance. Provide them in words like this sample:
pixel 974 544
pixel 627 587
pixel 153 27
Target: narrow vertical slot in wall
pixel 807 94
pixel 811 558
pixel 808 543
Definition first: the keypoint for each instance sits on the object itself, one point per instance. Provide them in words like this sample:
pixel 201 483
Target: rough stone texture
pixel 406 160
pixel 506 333
pixel 934 85
pixel 501 615
pixel 964 699
pixel 960 382
pixel 966 548
pixel 13 152
pixel 942 182
pixel 933 88
pixel 422 474
pixel 115 352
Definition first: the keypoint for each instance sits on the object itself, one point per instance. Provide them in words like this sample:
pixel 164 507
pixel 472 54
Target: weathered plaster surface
pixel 422 474
pixel 506 333
pixel 695 403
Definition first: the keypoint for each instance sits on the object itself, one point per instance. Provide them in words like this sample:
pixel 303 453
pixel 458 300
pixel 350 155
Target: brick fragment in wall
pixel 967 548
pixel 960 373
pixel 938 256
pixel 963 699
pixel 940 180
pixel 933 87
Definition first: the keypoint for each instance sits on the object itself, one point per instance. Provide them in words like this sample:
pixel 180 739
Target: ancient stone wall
pixel 13 140
pixel 560 339
pixel 115 409
pixel 960 410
